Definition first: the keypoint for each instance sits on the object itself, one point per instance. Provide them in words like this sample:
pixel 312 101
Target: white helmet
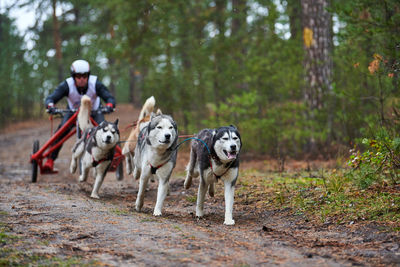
pixel 80 66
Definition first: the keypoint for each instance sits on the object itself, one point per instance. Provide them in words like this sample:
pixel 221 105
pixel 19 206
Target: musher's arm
pixel 103 93
pixel 61 91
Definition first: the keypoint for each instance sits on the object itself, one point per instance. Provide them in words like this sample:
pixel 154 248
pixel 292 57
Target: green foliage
pixel 379 163
pixel 17 94
pixel 212 63
pixel 329 196
pixel 280 128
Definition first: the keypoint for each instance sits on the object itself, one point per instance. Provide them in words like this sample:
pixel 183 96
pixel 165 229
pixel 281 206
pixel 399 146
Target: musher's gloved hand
pixel 51 109
pixel 109 108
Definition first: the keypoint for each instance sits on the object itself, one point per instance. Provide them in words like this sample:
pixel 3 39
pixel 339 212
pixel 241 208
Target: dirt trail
pixel 56 217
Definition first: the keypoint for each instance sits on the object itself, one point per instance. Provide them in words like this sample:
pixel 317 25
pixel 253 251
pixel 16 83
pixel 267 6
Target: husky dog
pixel 215 157
pixel 95 149
pixel 155 155
pixel 130 144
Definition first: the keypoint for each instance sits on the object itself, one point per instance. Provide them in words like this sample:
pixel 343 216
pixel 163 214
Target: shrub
pixel 379 163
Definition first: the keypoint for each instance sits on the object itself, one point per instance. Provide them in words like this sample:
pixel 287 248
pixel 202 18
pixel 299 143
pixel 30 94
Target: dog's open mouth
pixel 231 155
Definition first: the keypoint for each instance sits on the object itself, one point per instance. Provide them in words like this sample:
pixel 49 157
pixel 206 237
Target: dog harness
pixel 97 162
pixel 154 169
pixel 94 161
pixel 219 176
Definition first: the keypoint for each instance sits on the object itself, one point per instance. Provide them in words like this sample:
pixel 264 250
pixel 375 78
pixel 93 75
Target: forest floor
pixel 55 222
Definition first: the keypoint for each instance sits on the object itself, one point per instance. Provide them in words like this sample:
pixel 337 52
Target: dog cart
pixel 40 153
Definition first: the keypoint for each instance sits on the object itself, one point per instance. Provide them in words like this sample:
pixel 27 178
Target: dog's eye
pixel 225 138
pixel 235 138
pixel 171 127
pixel 113 130
pixel 159 127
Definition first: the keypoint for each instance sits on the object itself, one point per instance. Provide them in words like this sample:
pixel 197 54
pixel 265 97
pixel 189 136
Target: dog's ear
pixel 214 135
pixel 159 112
pixel 102 124
pixel 233 126
pixel 116 122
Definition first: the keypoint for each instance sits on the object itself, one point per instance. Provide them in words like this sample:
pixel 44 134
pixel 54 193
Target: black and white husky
pixel 95 149
pixel 215 157
pixel 155 155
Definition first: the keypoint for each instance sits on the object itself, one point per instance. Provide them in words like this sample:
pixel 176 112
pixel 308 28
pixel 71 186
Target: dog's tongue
pixel 231 155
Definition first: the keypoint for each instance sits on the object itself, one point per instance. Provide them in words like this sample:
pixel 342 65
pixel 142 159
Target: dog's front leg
pixel 200 197
pixel 101 171
pixel 144 179
pixel 163 186
pixel 229 196
pixel 77 152
pixel 136 172
pixel 128 161
pixel 190 169
pixel 86 165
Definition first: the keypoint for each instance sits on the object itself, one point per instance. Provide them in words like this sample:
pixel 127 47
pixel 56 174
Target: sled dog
pixel 95 149
pixel 155 155
pixel 216 158
pixel 130 144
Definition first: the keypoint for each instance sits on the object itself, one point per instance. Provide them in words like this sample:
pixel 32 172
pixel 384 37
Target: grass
pixel 321 196
pixel 12 255
pixel 191 199
pixel 123 212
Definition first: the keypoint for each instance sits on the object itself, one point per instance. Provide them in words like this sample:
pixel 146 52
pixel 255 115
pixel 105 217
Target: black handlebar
pixel 59 111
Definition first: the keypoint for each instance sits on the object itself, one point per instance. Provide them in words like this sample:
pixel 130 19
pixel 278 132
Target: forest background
pixel 300 79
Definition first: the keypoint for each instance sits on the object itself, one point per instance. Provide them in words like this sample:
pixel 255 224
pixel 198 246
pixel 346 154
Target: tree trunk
pixel 294 13
pixel 219 50
pixel 111 61
pixel 317 63
pixel 239 15
pixel 57 43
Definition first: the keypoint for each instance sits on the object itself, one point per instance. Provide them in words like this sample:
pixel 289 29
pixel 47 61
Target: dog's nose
pixel 167 136
pixel 233 147
pixel 108 137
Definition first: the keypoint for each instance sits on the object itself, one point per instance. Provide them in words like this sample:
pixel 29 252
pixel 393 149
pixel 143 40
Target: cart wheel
pixel 34 162
pixel 119 172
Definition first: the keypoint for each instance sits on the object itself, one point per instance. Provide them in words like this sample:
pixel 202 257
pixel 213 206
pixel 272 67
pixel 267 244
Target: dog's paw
pixel 157 213
pixel 94 195
pixel 199 213
pixel 81 178
pixel 138 207
pixel 229 222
